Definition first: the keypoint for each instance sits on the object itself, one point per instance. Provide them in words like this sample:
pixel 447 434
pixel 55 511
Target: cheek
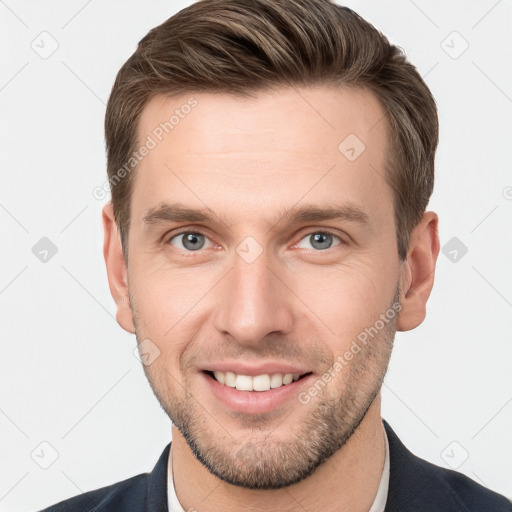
pixel 167 300
pixel 348 299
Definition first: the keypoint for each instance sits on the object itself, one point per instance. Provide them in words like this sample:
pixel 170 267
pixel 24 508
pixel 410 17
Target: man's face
pixel 251 291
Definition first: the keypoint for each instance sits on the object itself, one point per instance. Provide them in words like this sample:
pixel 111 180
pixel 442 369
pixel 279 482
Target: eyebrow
pixel 176 213
pixel 295 215
pixel 313 213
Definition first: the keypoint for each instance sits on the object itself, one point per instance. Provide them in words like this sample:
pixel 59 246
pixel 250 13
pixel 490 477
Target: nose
pixel 253 302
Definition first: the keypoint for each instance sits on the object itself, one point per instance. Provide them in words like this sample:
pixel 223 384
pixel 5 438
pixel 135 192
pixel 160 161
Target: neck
pixel 350 478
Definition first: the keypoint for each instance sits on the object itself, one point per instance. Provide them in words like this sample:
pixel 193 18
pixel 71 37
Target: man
pixel 270 164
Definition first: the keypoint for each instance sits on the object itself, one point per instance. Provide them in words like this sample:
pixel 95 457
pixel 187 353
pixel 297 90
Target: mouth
pixel 255 383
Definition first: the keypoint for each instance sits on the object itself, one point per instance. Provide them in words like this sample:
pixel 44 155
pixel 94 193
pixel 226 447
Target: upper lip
pixel 243 368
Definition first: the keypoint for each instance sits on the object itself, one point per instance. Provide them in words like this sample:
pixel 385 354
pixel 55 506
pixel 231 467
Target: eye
pixel 320 241
pixel 189 241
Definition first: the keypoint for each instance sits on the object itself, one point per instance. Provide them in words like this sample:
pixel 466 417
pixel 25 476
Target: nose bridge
pixel 253 301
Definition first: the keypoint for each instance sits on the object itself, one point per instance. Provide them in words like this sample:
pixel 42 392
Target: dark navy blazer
pixel 414 486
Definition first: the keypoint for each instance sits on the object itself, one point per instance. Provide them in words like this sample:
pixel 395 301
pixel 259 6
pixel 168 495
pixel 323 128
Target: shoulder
pixel 416 484
pixel 126 495
pixel 144 492
pixel 466 493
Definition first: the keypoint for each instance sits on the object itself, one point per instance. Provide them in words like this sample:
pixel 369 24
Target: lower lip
pixel 255 402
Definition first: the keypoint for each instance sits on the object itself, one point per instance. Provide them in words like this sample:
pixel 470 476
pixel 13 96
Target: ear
pixel 418 272
pixel 116 269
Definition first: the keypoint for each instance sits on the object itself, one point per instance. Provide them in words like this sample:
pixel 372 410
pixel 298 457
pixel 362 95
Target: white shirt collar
pixel 378 504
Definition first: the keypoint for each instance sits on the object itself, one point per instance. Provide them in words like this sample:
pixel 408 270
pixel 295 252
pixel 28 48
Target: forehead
pixel 327 110
pixel 281 145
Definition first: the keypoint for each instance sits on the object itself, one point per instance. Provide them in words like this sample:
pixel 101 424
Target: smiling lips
pixel 263 382
pixel 254 388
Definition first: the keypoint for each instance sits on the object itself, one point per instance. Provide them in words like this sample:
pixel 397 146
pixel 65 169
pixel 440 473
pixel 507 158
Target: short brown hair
pixel 242 47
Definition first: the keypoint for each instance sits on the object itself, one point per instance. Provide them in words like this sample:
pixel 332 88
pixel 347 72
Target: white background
pixel 68 373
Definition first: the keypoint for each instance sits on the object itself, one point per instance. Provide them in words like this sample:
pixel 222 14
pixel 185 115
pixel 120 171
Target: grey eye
pixel 189 241
pixel 320 241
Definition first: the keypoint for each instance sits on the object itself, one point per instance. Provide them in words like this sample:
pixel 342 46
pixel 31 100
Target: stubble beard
pixel 257 460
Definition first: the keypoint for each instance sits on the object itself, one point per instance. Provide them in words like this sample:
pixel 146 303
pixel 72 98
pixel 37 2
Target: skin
pixel 248 161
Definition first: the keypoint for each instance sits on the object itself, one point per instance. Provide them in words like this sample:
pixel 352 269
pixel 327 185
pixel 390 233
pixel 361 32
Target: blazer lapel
pixel 415 484
pixel 156 497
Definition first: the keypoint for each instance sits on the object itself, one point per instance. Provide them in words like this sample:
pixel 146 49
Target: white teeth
pixel 243 383
pixel 262 382
pixel 276 381
pixel 230 379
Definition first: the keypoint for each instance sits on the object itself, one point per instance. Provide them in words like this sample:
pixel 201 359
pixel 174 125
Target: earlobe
pixel 417 278
pixel 116 269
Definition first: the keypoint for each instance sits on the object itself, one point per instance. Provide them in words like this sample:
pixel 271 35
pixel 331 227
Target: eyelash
pixel 321 231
